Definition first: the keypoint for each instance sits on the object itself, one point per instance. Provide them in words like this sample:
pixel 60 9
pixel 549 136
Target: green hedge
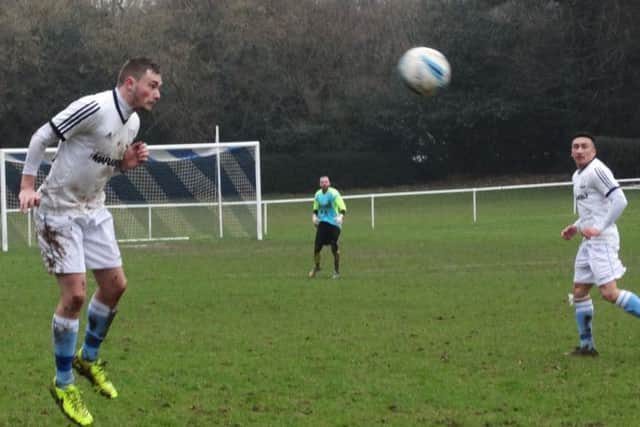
pixel 299 172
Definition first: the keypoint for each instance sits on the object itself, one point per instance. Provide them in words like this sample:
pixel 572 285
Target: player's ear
pixel 129 82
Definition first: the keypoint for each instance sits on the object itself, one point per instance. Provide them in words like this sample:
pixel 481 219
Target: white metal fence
pixel 626 182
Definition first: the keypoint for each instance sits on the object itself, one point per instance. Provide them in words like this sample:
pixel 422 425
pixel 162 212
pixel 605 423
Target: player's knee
pixel 609 291
pixel 114 288
pixel 73 302
pixel 120 285
pixel 610 295
pixel 581 292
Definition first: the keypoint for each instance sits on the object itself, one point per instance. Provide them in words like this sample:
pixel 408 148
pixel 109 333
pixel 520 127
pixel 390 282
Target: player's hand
pixel 136 154
pixel 340 219
pixel 315 220
pixel 29 198
pixel 590 232
pixel 568 232
pixel 141 150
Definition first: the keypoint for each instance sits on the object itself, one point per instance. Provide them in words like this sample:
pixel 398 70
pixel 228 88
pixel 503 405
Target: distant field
pixel 435 321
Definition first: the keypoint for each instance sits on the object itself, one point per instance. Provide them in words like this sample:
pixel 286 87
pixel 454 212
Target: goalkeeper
pixel 328 215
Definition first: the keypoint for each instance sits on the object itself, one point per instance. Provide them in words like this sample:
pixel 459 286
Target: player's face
pixel 324 183
pixel 146 90
pixel 582 151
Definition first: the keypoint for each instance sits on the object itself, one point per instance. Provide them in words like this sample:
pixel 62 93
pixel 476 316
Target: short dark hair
pixel 584 134
pixel 136 68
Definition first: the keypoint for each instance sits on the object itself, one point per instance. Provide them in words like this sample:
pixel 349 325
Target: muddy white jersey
pixel 94 133
pixel 592 186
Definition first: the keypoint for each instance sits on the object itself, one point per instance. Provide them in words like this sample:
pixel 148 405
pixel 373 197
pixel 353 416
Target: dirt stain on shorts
pixel 54 252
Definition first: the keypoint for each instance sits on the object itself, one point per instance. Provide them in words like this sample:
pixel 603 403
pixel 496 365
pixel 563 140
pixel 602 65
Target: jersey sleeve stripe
pixel 604 178
pixel 80 119
pixel 56 131
pixel 611 191
pixel 79 111
pixel 82 113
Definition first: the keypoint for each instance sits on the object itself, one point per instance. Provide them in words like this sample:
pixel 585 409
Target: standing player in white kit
pixel 75 230
pixel 600 202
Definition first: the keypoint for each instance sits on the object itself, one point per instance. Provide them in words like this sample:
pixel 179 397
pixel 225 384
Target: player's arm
pixel 340 207
pixel 135 155
pixel 40 140
pixel 606 184
pixel 28 196
pixel 314 217
pixel 616 207
pixel 569 231
pixel 78 117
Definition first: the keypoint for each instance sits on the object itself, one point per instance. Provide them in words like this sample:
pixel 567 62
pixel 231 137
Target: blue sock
pixel 100 318
pixel 65 336
pixel 584 319
pixel 629 302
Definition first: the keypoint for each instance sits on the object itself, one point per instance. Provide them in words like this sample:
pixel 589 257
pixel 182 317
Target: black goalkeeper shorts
pixel 326 234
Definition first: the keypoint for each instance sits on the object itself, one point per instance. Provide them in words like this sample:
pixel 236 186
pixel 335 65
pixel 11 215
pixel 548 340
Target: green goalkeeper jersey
pixel 328 205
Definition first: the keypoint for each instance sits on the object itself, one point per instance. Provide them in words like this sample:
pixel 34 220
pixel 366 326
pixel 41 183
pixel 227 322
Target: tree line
pixel 315 80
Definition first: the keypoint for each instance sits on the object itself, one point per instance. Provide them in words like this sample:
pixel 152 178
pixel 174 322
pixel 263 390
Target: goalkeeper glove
pixel 315 219
pixel 339 219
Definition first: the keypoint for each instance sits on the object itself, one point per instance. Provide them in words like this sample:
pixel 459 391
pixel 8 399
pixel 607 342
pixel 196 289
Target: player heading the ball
pixel 75 230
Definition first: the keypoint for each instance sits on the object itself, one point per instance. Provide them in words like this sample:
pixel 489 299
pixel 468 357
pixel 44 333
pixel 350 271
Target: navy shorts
pixel 326 234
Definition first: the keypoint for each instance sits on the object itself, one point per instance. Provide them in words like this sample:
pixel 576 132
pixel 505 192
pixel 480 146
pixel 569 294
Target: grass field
pixel 436 321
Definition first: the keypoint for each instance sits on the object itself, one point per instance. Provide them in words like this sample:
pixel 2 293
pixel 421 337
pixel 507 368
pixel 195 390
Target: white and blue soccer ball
pixel 424 70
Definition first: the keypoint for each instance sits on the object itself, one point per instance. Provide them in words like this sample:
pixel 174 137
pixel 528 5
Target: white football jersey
pixel 94 133
pixel 591 186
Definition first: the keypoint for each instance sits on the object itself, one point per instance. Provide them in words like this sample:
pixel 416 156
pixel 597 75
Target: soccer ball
pixel 424 70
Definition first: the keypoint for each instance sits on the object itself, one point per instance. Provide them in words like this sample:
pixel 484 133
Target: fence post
pixel 219 179
pixel 258 184
pixel 264 216
pixel 149 222
pixel 475 209
pixel 3 203
pixel 373 212
pixel 29 228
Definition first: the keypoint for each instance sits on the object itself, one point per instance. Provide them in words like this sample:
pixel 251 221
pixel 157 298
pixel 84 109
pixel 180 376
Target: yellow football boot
pixel 70 401
pixel 94 371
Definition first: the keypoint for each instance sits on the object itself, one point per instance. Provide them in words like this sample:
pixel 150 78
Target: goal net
pixel 190 191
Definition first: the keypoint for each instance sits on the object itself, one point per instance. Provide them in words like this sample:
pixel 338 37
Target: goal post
pixel 183 192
